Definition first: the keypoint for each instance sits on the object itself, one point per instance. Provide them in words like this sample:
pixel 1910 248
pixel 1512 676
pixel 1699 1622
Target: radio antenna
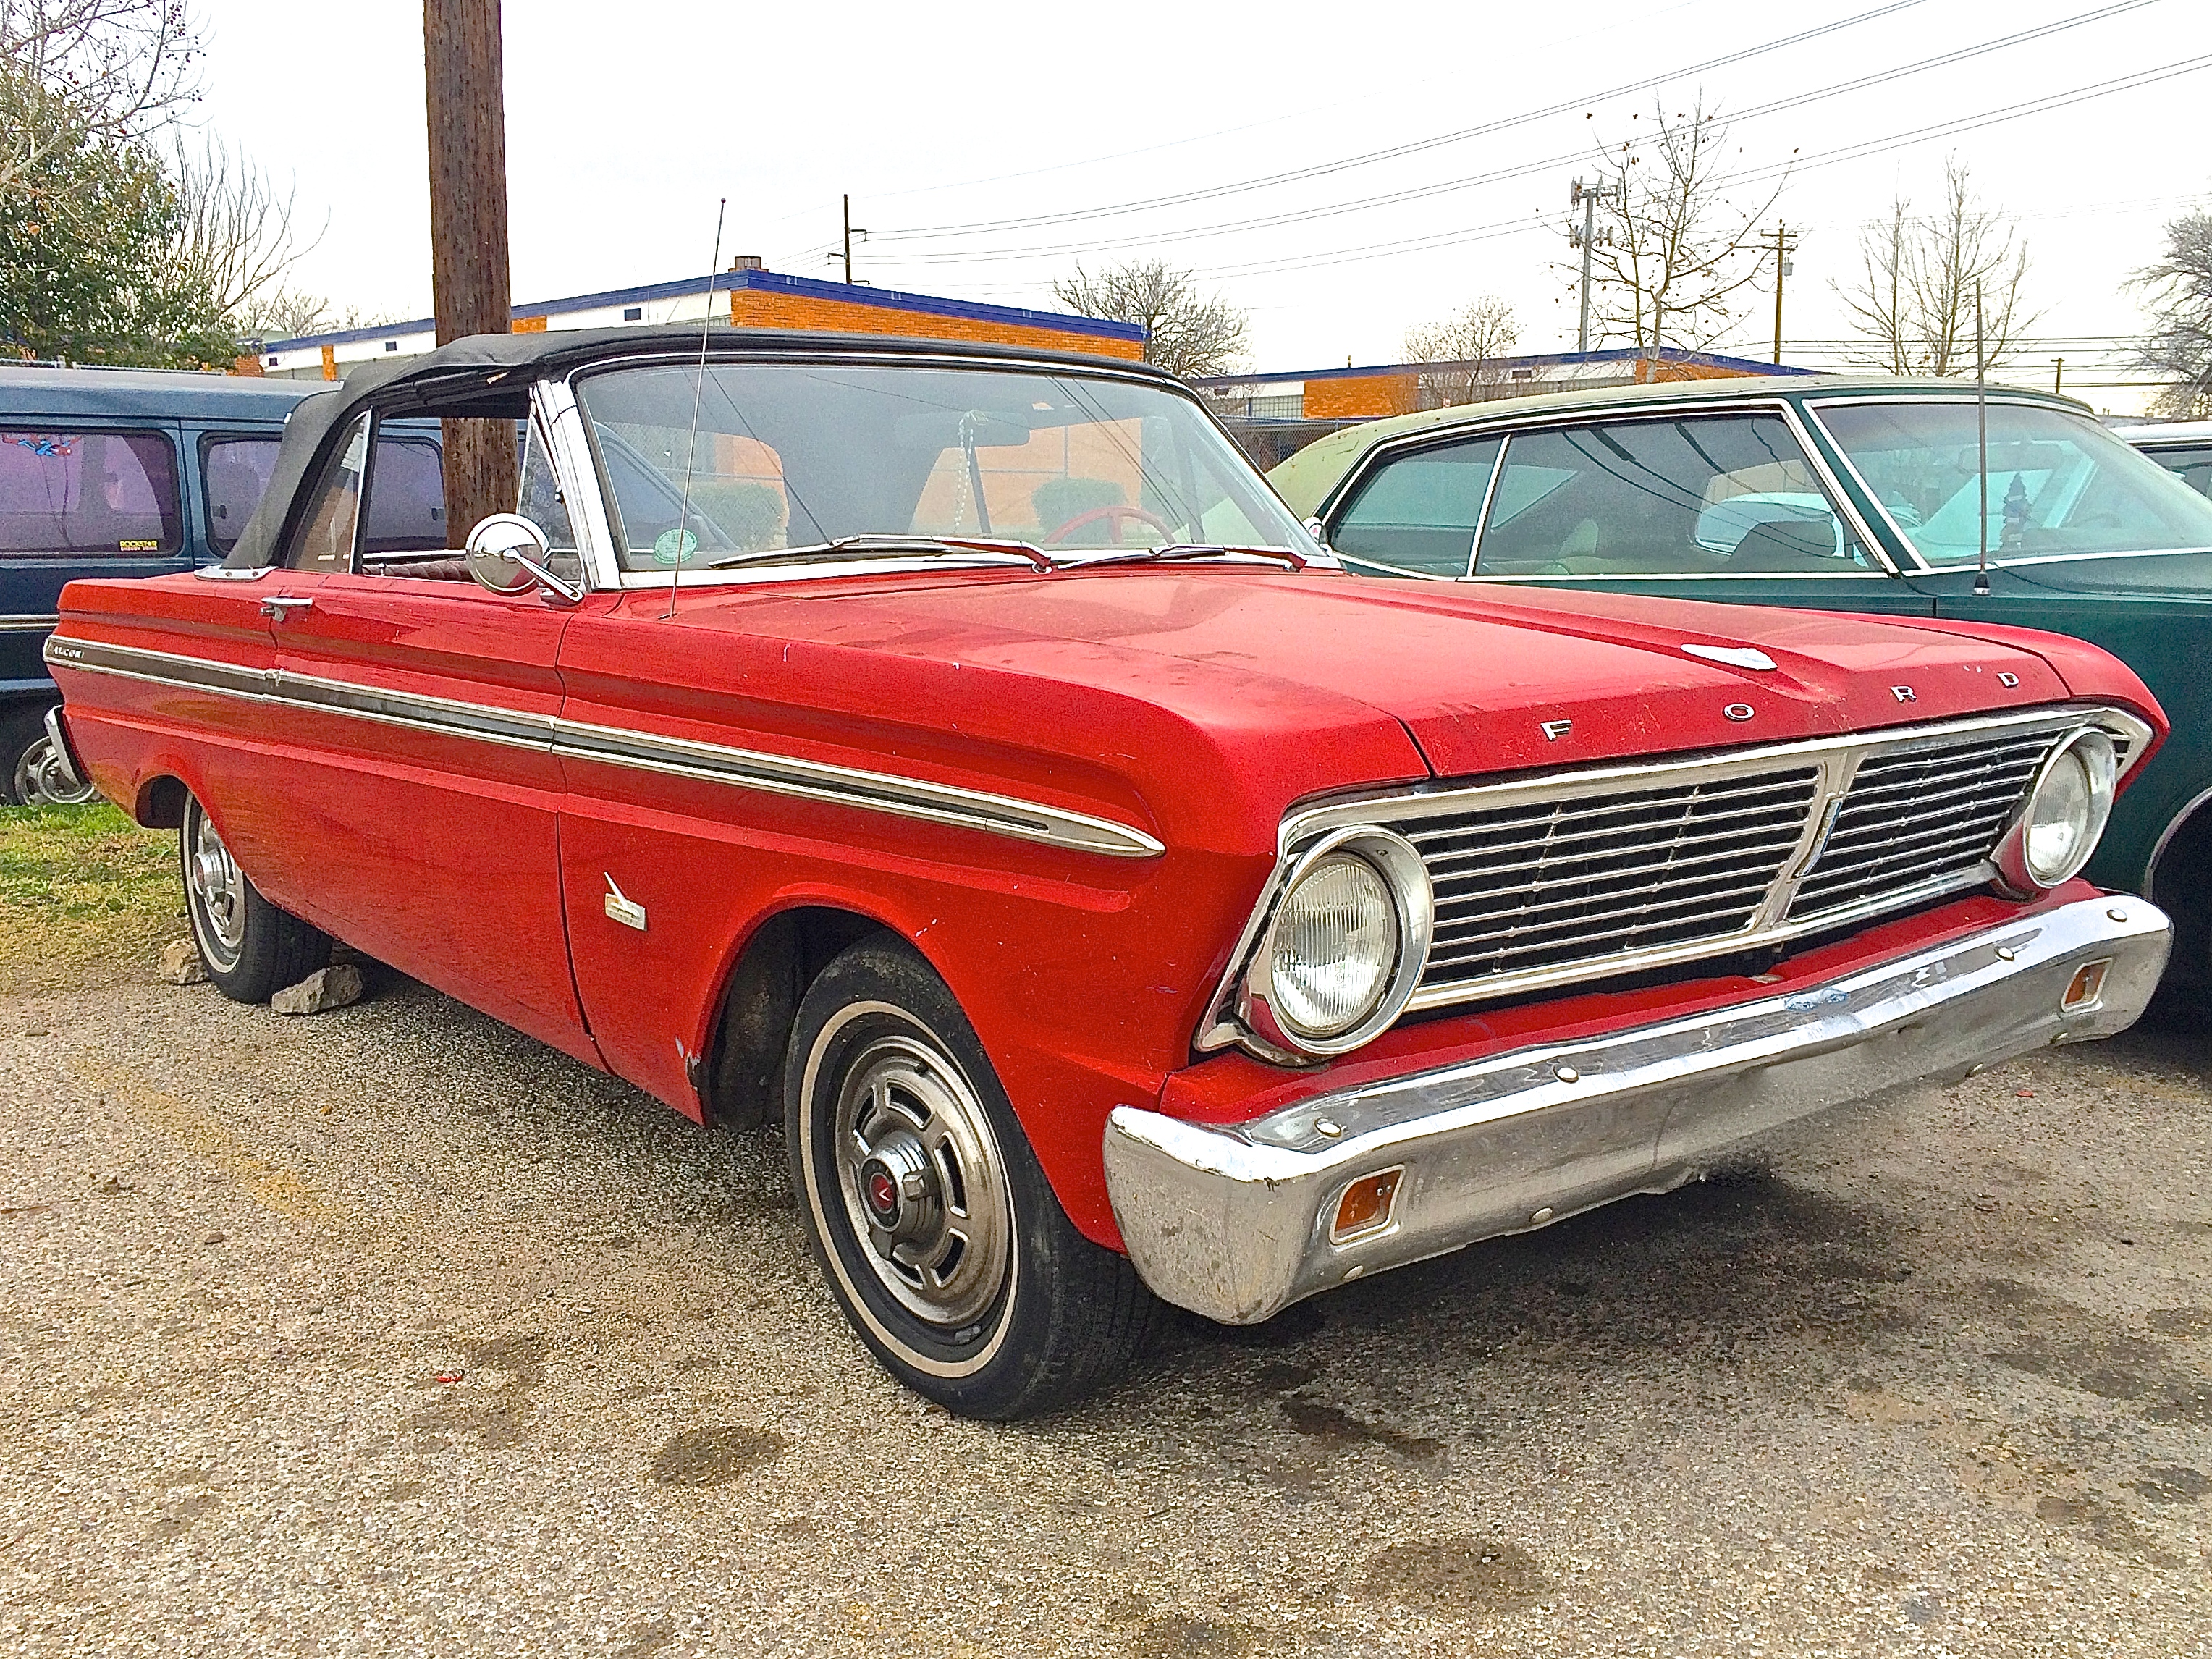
pixel 1982 443
pixel 698 389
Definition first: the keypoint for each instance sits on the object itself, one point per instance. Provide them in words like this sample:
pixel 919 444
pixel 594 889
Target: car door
pixel 79 499
pixel 417 710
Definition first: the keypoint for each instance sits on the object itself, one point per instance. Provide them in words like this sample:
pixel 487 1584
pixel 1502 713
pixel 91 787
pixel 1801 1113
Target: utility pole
pixel 1782 241
pixel 465 97
pixel 2057 376
pixel 851 231
pixel 1587 197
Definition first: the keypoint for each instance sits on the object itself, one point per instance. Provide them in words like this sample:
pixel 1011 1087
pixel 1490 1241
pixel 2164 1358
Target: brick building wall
pixel 753 307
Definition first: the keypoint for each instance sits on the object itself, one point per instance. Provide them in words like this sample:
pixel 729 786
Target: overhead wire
pixel 1840 88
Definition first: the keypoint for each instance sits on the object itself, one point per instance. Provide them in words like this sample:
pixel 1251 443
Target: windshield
pixel 2059 484
pixel 794 456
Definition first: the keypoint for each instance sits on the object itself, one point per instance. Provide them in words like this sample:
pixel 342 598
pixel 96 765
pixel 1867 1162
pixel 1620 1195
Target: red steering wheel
pixel 1117 513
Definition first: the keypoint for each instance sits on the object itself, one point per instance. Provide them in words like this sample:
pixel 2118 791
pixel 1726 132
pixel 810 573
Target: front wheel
pixel 934 1226
pixel 251 948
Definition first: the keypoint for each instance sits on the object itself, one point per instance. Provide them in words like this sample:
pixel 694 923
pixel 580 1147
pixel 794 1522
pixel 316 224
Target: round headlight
pixel 2067 809
pixel 1335 946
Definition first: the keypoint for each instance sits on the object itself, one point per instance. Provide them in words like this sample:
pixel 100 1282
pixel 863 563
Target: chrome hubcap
pixel 919 1172
pixel 40 780
pixel 217 888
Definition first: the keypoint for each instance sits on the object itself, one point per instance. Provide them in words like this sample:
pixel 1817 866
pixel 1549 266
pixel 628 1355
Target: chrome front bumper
pixel 1235 1223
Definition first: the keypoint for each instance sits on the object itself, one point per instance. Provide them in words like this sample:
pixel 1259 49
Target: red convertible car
pixel 961 757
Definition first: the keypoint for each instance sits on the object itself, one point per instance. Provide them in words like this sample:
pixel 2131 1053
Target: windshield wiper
pixel 861 547
pixel 1178 551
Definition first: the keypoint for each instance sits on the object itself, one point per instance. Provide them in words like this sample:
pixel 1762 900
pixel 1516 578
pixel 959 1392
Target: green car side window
pixel 1702 496
pixel 1416 514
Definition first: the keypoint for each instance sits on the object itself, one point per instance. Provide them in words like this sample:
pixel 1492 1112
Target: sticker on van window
pixel 48 448
pixel 137 547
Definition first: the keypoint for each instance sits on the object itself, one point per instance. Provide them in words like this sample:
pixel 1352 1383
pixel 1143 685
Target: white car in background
pixel 2184 447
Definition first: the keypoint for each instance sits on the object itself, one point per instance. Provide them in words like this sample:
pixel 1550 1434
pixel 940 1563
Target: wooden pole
pixel 466 96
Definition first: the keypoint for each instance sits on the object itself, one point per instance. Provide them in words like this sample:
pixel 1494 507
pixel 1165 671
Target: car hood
pixel 1483 679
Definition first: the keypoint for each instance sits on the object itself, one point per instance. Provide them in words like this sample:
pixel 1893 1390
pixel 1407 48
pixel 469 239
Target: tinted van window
pixel 237 473
pixel 81 492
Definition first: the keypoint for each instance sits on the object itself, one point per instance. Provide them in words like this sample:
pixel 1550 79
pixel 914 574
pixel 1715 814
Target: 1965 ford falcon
pixel 961 757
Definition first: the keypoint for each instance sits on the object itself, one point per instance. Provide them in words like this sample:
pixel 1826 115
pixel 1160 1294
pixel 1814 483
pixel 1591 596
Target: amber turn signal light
pixel 1365 1206
pixel 2089 984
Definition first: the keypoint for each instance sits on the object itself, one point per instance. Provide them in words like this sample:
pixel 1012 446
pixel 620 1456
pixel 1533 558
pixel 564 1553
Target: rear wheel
pixel 936 1228
pixel 30 774
pixel 251 948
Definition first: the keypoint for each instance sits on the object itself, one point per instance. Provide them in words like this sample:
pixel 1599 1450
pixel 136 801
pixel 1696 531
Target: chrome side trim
pixel 880 792
pixel 223 572
pixel 28 622
pixel 1838 758
pixel 743 768
pixel 1233 1222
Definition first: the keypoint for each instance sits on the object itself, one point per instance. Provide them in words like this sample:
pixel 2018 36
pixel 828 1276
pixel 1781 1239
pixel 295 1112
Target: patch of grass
pixel 86 897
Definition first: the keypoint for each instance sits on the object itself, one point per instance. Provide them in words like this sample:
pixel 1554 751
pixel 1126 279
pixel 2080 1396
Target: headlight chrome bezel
pixel 1405 878
pixel 2099 756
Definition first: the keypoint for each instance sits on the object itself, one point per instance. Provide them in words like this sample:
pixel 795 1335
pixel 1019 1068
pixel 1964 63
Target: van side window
pixel 81 492
pixel 236 472
pixel 406 498
pixel 325 541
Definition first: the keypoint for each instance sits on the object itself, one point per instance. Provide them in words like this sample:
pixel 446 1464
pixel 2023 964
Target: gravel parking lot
pixel 390 1331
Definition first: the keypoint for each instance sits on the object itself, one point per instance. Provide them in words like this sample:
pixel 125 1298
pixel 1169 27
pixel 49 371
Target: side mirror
pixel 508 555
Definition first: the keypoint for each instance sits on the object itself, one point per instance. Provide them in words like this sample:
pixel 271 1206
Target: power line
pixel 1803 164
pixel 972 256
pixel 1322 169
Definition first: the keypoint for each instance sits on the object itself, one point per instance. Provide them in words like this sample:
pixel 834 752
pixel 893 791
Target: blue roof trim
pixel 1547 359
pixel 726 281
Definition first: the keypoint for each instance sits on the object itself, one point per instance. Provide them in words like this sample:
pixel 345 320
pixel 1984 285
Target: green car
pixel 1900 497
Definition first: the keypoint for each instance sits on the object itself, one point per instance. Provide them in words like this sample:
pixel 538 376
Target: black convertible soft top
pixel 489 375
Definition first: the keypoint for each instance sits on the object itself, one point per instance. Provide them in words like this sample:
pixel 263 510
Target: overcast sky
pixel 624 126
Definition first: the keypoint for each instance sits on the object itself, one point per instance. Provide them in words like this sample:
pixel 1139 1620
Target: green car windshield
pixel 766 462
pixel 2060 486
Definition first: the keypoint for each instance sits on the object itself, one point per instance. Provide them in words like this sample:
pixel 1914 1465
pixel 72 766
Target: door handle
pixel 282 606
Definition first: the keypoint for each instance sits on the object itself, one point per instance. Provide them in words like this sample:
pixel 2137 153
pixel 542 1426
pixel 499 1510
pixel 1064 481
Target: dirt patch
pixel 710 1456
pixel 1189 1638
pixel 1334 1425
pixel 1456 1576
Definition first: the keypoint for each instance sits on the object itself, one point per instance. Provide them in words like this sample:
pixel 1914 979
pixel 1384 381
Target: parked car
pixel 2183 448
pixel 1826 493
pixel 137 472
pixel 960 755
pixel 112 472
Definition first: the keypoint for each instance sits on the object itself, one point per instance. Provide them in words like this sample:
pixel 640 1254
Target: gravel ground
pixel 389 1332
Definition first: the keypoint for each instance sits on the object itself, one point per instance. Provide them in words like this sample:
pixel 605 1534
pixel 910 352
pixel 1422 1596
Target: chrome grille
pixel 1550 880
pixel 1540 884
pixel 1925 817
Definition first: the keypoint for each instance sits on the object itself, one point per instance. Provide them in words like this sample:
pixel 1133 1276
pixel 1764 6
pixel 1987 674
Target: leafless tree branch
pixel 98 69
pixel 1679 250
pixel 1187 335
pixel 2178 286
pixel 1912 306
pixel 1469 343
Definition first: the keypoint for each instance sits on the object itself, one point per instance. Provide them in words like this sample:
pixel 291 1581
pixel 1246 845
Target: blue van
pixel 133 472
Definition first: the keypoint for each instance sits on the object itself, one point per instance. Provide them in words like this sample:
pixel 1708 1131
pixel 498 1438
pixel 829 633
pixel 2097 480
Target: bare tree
pixel 1466 347
pixel 2178 286
pixel 98 70
pixel 1185 334
pixel 287 314
pixel 1680 249
pixel 233 239
pixel 1912 306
